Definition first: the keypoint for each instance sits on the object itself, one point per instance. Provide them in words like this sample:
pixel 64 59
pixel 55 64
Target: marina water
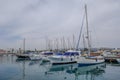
pixel 12 68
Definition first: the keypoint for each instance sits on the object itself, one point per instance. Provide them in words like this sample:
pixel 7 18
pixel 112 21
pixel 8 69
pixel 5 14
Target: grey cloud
pixel 35 19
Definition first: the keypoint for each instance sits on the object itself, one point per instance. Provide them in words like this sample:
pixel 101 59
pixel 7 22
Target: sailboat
pixel 74 56
pixel 89 60
pixel 23 55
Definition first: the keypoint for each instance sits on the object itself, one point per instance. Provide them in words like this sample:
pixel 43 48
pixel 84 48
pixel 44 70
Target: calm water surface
pixel 13 69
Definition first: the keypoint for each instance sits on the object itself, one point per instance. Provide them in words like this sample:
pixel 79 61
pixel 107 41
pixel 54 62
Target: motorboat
pixel 68 57
pixel 45 55
pixel 35 56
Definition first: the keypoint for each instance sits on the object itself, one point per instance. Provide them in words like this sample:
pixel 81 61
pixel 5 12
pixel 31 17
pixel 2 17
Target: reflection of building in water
pixel 88 72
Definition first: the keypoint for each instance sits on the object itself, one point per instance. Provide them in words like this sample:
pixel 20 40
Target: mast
pixel 73 42
pixel 69 43
pixel 46 41
pixel 49 46
pixel 64 43
pixel 84 42
pixel 88 38
pixel 57 43
pixel 24 45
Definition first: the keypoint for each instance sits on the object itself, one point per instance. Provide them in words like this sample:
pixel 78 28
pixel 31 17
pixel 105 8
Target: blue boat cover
pixel 48 53
pixel 71 53
pixel 59 53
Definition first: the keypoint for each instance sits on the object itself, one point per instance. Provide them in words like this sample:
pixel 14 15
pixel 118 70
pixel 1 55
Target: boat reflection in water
pixel 74 72
pixel 46 71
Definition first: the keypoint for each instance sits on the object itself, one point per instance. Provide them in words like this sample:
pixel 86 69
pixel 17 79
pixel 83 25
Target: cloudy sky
pixel 38 20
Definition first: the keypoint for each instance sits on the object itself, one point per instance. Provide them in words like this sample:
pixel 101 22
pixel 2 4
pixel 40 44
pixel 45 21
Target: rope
pixel 80 32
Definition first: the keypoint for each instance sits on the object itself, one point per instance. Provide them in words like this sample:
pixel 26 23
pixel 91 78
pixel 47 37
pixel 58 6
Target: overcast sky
pixel 38 20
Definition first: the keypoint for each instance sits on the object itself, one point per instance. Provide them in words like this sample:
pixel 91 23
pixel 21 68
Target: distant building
pixel 118 48
pixel 2 51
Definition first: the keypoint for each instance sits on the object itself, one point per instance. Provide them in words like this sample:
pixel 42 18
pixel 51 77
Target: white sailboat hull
pixel 83 61
pixel 62 59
